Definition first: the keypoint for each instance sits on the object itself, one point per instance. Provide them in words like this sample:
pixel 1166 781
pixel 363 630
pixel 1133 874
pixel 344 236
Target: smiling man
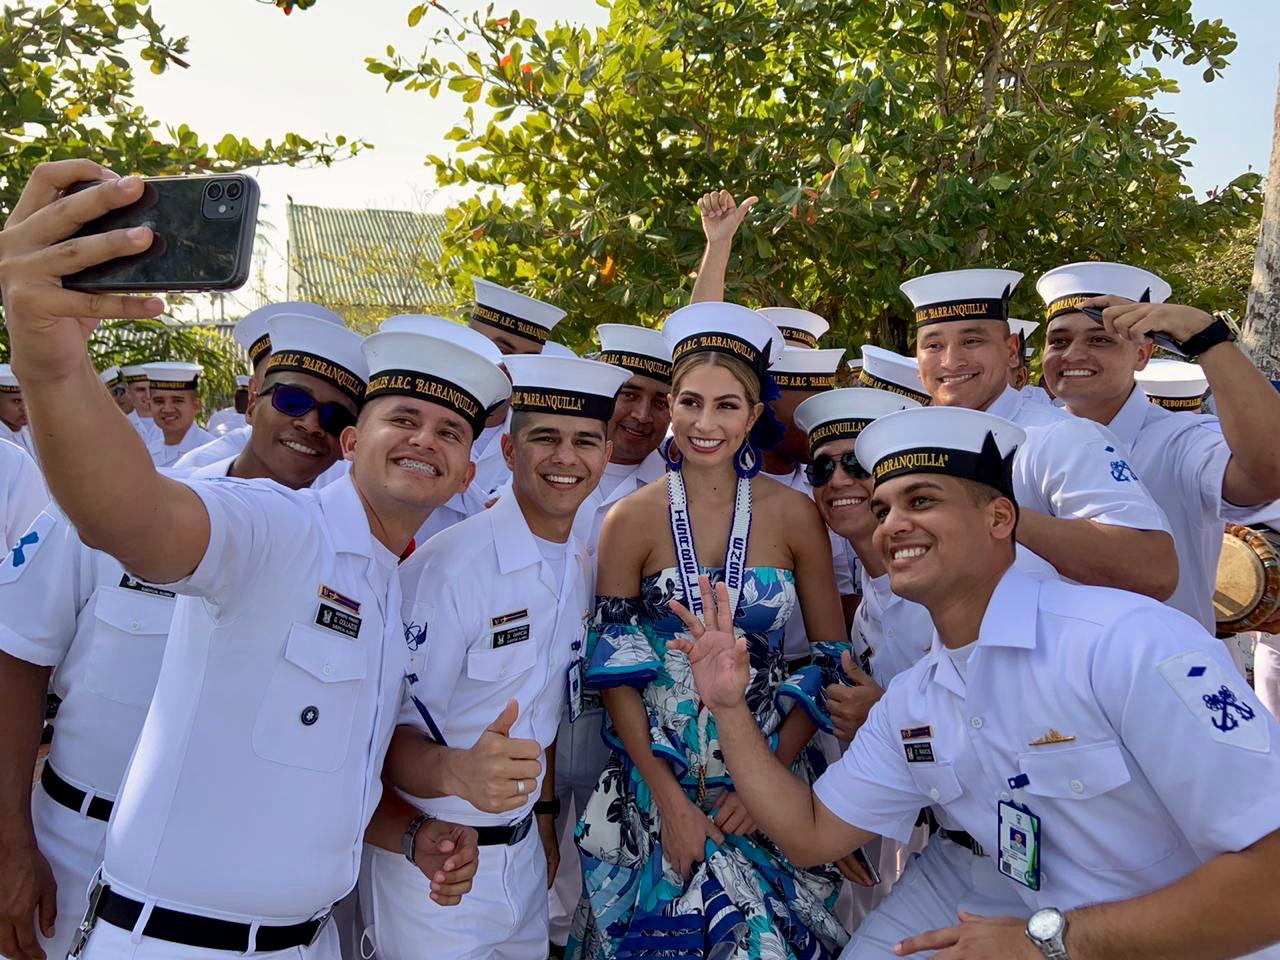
pixel 13 411
pixel 503 599
pixel 1201 470
pixel 1055 723
pixel 175 401
pixel 1085 512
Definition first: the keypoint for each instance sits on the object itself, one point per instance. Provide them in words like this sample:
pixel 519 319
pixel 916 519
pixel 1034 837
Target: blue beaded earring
pixel 748 460
pixel 668 448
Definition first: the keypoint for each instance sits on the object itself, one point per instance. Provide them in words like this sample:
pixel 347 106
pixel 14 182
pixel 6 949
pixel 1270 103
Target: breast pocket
pixel 309 707
pixel 129 633
pixel 936 781
pixel 508 663
pixel 1089 815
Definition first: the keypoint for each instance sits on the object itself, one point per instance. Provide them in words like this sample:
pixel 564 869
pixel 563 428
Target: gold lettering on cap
pixel 546 400
pixel 912 461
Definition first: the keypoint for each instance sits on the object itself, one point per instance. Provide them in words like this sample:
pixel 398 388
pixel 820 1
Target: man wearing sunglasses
pixel 257 768
pixel 251 333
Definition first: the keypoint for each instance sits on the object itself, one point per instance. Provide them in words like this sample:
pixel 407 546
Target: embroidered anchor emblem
pixel 1122 472
pixel 28 540
pixel 1224 702
pixel 414 635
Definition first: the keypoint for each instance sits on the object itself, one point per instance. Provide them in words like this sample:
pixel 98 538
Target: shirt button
pixel 934 794
pixel 1077 786
pixel 328 670
pixel 1006 796
pixel 309 716
pixel 976 723
pixel 133 624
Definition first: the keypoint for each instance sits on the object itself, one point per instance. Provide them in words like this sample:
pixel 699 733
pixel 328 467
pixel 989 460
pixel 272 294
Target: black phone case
pixel 196 246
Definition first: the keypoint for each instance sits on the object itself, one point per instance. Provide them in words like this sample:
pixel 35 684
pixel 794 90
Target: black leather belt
pixel 504 836
pixel 965 840
pixel 73 797
pixel 206 932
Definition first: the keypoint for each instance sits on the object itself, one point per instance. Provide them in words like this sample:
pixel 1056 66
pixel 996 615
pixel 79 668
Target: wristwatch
pixel 1212 335
pixel 410 838
pixel 1047 929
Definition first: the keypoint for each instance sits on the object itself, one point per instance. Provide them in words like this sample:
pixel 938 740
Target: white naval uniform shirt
pixel 215 448
pixel 889 633
pixel 489 622
pixel 73 608
pixel 1182 459
pixel 491 468
pixel 258 765
pixel 795 641
pixel 225 420
pixel 22 493
pixel 167 455
pixel 1147 788
pixel 20 437
pixel 590 517
pixel 1075 469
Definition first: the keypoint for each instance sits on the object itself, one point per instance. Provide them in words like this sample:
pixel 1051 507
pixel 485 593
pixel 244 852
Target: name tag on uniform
pixel 503 619
pixel 1019 833
pixel 575 690
pixel 504 638
pixel 129 583
pixel 339 621
pixel 333 596
pixel 919 752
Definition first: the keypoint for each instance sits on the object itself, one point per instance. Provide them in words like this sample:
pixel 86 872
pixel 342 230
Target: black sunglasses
pixel 823 469
pixel 294 401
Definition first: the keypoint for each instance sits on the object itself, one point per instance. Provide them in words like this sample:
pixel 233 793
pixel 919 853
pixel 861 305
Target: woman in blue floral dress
pixel 673 865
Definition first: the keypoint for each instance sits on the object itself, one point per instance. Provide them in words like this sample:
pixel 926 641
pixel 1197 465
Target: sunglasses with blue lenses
pixel 823 468
pixel 295 401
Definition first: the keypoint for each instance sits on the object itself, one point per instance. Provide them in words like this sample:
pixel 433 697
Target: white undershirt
pixel 554 554
pixel 960 657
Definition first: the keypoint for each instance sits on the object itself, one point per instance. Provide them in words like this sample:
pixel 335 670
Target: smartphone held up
pixel 202 228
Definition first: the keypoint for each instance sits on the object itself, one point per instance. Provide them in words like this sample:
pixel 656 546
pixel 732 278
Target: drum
pixel 1246 595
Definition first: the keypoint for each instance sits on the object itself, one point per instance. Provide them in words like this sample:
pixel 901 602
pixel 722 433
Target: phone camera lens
pixel 233 190
pixel 214 192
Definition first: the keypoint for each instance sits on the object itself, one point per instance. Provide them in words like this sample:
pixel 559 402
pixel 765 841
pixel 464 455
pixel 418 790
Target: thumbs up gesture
pixel 499 772
pixel 849 706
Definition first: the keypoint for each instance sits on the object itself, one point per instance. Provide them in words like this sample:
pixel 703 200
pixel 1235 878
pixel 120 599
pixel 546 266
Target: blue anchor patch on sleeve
pixel 1222 704
pixel 16 561
pixel 1121 472
pixel 19 552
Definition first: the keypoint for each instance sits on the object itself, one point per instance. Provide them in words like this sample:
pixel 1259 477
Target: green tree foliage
pixel 66 90
pixel 885 139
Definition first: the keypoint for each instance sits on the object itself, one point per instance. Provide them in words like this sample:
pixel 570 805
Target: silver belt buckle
pixel 324 922
pixel 87 924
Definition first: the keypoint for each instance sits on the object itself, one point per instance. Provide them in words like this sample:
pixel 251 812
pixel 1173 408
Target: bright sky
pixel 258 73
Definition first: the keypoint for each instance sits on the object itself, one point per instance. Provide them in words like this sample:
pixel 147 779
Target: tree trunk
pixel 1260 335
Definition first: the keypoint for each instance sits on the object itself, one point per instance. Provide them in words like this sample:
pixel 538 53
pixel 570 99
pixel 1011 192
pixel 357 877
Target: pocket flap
pixel 327 657
pixel 937 781
pixel 501 663
pixel 1076 773
pixel 132 611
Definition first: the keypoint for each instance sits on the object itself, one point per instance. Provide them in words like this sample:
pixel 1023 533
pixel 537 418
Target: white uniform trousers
pixel 111 943
pixel 73 845
pixel 503 917
pixel 581 754
pixel 935 886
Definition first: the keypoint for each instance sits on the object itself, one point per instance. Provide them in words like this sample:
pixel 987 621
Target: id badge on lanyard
pixel 1019 840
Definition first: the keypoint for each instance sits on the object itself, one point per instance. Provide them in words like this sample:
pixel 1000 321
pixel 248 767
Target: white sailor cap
pixel 8 382
pixel 728 328
pixel 1063 288
pixel 1025 330
pixel 251 330
pixel 885 370
pixel 406 364
pixel 800 328
pixel 134 372
pixel 843 414
pixel 242 382
pixel 318 348
pixel 980 294
pixel 640 350
pixel 970 444
pixel 444 329
pixel 109 376
pixel 173 375
pixel 553 349
pixel 514 312
pixel 570 386
pixel 1173 384
pixel 806 368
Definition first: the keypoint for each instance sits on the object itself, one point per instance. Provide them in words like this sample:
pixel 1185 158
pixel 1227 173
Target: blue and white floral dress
pixel 746 901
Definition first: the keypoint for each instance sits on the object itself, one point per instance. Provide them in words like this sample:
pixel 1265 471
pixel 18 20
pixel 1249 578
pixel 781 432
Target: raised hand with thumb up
pixel 499 772
pixel 849 706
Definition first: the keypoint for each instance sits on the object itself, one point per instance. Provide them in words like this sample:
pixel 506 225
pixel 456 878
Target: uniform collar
pixel 512 538
pixel 1010 621
pixel 645 472
pixel 1007 404
pixel 344 516
pixel 1129 421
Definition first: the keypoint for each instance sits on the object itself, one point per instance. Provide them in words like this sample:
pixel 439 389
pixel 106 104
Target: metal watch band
pixel 408 842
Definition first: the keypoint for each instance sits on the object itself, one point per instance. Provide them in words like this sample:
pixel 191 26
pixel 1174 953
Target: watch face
pixel 1044 924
